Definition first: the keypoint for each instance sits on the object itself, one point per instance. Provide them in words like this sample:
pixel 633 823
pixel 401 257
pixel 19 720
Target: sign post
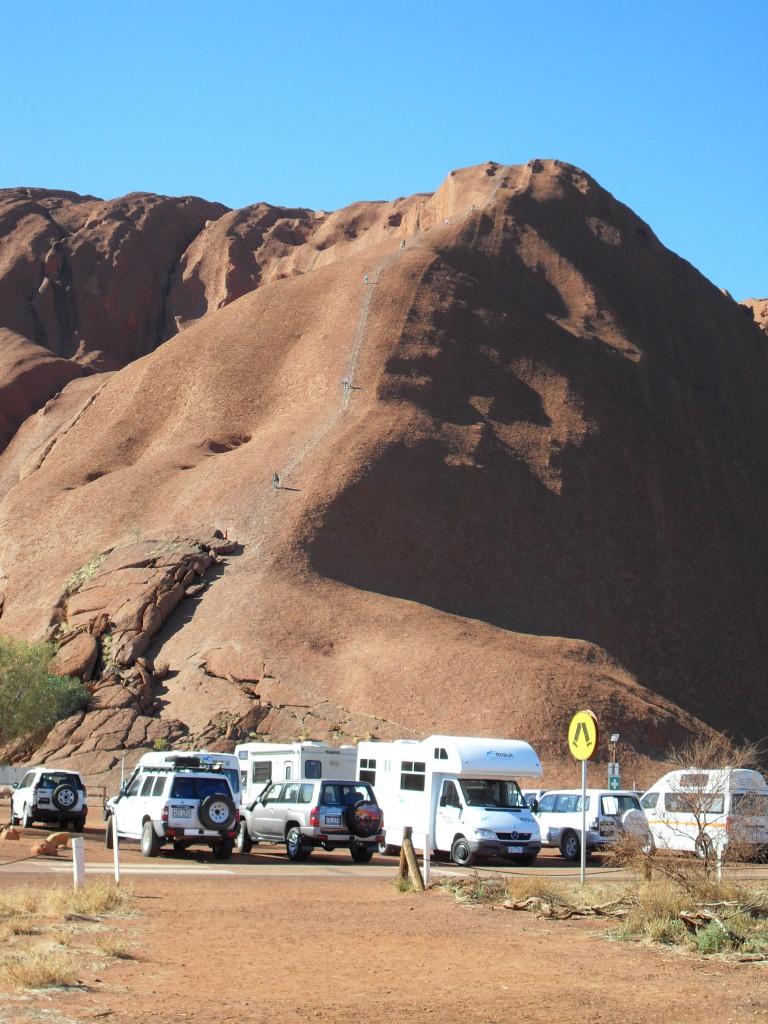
pixel 583 735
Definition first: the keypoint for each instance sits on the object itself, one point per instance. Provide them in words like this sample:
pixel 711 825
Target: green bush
pixel 31 699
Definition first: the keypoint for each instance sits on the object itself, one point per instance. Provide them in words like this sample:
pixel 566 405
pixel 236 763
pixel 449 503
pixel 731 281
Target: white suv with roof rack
pixel 184 801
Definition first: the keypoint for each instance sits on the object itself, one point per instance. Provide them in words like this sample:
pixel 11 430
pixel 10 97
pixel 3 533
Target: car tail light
pixel 314 817
pixel 164 815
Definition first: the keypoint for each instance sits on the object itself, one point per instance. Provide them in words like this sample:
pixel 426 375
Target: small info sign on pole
pixel 583 735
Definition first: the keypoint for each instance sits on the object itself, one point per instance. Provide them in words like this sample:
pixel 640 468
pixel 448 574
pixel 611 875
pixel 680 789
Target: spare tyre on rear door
pixel 217 811
pixel 363 819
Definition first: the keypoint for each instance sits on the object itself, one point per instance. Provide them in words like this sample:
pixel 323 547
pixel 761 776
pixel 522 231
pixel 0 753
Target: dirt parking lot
pixel 256 940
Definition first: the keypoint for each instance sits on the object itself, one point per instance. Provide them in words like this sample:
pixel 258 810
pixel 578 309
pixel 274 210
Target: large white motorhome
pixel 460 794
pixel 261 763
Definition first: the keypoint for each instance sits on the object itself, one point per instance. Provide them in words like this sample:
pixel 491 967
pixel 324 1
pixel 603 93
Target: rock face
pixel 521 465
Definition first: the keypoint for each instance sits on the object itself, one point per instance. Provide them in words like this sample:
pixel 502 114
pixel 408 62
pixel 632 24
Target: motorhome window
pixel 288 770
pixel 149 782
pixel 159 785
pixel 306 790
pixel 694 803
pixel 412 775
pixel 697 781
pixel 368 770
pixel 491 793
pixel 243 755
pixel 649 801
pixel 261 771
pixel 313 769
pixel 615 804
pixel 750 804
pixel 450 797
pixel 441 754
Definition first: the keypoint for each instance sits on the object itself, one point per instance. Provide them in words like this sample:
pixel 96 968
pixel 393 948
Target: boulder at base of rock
pixel 77 657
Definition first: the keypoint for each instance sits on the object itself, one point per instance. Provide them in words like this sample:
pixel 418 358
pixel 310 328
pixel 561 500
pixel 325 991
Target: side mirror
pixel 15 785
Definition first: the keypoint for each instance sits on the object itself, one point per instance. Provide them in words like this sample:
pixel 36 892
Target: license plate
pixel 333 819
pixel 182 812
pixel 514 849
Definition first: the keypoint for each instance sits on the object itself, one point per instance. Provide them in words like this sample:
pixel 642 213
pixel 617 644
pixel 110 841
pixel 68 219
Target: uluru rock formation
pixel 520 447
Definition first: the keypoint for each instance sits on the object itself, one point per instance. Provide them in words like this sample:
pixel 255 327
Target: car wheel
pixel 109 839
pixel 461 853
pixel 64 797
pixel 26 818
pixel 294 845
pixel 704 847
pixel 223 850
pixel 150 844
pixel 217 812
pixel 244 843
pixel 361 854
pixel 570 846
pixel 387 850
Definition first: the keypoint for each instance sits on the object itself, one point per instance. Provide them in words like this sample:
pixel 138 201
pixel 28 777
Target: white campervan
pixel 458 793
pixel 703 810
pixel 261 763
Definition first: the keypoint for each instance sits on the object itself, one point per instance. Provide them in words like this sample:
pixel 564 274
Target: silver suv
pixel 184 802
pixel 52 796
pixel 308 813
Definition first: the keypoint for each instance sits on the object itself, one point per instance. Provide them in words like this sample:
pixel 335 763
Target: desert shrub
pixel 42 967
pixel 712 939
pixel 85 573
pixel 31 699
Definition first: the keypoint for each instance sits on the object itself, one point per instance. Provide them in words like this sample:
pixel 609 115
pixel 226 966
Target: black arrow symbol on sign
pixel 581 728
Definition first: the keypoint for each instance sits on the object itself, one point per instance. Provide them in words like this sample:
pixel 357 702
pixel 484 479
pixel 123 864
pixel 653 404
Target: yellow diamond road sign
pixel 583 735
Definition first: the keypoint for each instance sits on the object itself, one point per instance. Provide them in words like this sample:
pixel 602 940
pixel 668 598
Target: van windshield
pixel 492 793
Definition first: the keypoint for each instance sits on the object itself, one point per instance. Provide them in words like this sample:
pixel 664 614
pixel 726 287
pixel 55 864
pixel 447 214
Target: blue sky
pixel 300 103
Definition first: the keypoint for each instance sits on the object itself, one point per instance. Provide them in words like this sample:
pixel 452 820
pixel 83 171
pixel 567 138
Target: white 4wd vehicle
pixel 558 813
pixel 50 795
pixel 184 802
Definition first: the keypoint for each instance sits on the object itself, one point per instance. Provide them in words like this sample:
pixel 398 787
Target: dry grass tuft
pixel 66 920
pixel 42 967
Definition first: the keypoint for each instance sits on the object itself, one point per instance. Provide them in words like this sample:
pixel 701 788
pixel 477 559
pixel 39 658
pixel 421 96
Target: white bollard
pixel 115 846
pixel 78 860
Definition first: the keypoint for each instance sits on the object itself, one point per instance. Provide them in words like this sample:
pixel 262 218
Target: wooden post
pixel 408 862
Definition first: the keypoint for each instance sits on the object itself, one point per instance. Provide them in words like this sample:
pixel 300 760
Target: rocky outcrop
pixel 29 377
pixel 86 278
pixel 125 596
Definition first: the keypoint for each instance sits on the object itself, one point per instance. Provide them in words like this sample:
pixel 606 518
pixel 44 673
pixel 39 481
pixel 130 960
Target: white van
pixel 703 810
pixel 211 760
pixel 458 793
pixel 262 763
